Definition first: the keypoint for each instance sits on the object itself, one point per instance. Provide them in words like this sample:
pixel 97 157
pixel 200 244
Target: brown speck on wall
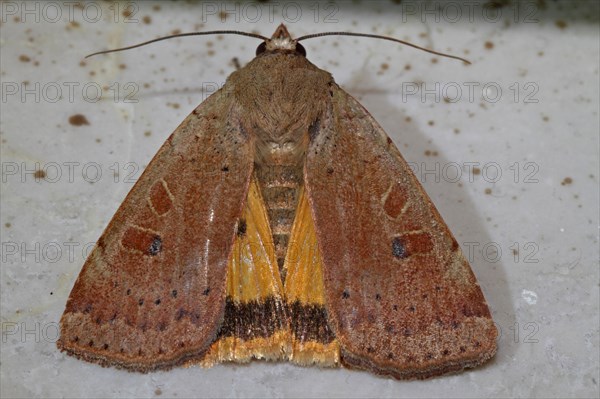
pixel 39 174
pixel 78 120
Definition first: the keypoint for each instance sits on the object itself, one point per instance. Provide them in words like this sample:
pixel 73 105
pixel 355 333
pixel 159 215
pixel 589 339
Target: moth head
pixel 281 41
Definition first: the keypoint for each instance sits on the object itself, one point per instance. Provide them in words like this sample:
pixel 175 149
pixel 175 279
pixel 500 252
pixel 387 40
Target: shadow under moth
pixel 279 222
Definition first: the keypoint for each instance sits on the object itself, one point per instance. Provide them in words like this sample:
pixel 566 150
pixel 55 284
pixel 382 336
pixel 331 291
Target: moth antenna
pixel 381 37
pixel 213 32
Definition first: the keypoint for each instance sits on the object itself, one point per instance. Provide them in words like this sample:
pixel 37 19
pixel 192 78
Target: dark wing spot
pixel 155 246
pixel 206 291
pixel 180 314
pixel 398 248
pixel 345 294
pixel 454 245
pixel 242 227
pixel 313 129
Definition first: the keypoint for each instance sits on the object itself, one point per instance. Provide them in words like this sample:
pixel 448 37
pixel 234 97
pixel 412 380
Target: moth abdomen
pixel 280 185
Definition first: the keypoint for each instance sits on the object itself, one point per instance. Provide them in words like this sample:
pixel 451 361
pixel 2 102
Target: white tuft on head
pixel 281 40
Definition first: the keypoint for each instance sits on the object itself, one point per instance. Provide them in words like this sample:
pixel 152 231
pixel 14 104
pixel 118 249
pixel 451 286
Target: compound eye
pixel 300 49
pixel 261 48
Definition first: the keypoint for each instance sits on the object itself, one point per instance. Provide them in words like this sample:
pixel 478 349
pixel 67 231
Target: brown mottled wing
pixel 399 293
pixel 152 293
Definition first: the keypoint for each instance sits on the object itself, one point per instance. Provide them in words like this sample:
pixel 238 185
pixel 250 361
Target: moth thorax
pixel 281 147
pixel 282 153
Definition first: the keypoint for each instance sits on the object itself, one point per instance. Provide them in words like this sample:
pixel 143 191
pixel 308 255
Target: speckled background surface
pixel 507 148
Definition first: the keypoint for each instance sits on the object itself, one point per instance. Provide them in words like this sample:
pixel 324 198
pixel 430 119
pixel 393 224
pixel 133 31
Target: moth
pixel 279 222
